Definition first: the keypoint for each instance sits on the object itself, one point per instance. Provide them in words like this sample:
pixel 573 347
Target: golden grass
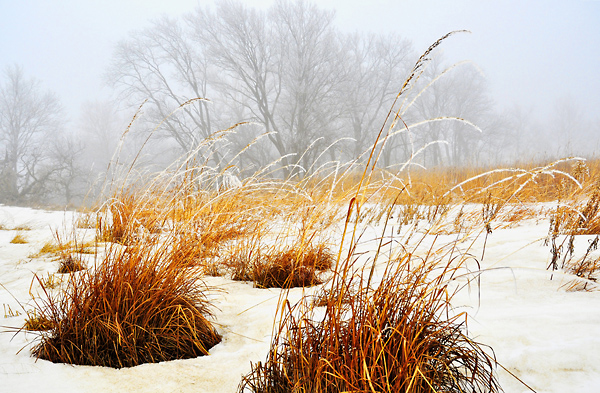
pixel 135 307
pixel 64 248
pixel 297 265
pixel 143 301
pixel 9 312
pixel 19 238
pixel 394 336
pixel 39 323
pixel 394 333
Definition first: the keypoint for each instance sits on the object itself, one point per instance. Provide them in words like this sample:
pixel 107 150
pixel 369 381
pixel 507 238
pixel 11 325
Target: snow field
pixel 545 335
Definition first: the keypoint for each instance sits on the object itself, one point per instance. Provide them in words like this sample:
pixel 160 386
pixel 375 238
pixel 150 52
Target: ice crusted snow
pixel 545 335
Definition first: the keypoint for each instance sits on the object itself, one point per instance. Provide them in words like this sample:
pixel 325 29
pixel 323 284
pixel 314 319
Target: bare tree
pixel 70 181
pixel 303 84
pixel 101 126
pixel 311 56
pixel 238 41
pixel 282 66
pixel 161 65
pixel 569 129
pixel 459 93
pixel 28 117
pixel 376 65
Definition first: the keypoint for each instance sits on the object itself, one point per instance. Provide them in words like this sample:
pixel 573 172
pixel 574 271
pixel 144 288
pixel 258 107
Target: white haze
pixel 534 53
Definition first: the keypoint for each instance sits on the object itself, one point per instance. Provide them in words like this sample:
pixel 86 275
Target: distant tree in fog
pixel 518 137
pixel 236 40
pixel 284 67
pixel 302 83
pixel 160 64
pixel 29 119
pixel 376 66
pixel 287 70
pixel 70 180
pixel 569 129
pixel 101 127
pixel 461 93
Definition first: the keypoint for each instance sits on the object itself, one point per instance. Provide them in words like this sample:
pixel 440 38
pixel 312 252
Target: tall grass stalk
pixel 394 333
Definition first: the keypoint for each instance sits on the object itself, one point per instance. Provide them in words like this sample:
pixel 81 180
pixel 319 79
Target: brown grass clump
pixel 70 264
pixel 293 266
pixel 396 336
pixel 135 307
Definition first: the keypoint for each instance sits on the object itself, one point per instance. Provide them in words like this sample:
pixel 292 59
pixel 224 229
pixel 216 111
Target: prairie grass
pixel 391 331
pixel 47 248
pixel 60 249
pixel 395 336
pixel 373 331
pixel 135 307
pixel 35 322
pixel 70 263
pixel 296 265
pixel 51 281
pixel 576 216
pixel 9 312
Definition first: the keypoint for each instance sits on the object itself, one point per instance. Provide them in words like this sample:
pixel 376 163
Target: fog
pixel 533 53
pixel 537 61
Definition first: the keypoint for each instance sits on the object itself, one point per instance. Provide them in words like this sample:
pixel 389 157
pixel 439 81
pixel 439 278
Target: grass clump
pixel 396 336
pixel 293 266
pixel 49 248
pixel 135 307
pixel 70 264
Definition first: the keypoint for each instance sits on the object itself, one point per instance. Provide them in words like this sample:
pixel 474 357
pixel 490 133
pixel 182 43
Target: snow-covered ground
pixel 545 335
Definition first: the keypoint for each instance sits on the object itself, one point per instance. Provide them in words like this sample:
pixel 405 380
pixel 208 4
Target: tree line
pixel 307 93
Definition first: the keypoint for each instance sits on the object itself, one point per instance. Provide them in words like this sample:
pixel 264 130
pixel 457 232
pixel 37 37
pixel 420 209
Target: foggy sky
pixel 533 53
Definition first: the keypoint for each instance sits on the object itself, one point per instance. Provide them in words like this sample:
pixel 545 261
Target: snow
pixel 542 333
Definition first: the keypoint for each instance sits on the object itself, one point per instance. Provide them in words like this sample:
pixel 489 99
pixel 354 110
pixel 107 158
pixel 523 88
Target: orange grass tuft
pixel 19 238
pixel 135 307
pixel 297 265
pixel 396 336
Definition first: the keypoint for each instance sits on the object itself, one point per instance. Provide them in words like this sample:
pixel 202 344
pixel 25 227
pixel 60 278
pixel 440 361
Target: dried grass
pixel 135 307
pixel 19 238
pixel 293 266
pixel 394 333
pixel 396 336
